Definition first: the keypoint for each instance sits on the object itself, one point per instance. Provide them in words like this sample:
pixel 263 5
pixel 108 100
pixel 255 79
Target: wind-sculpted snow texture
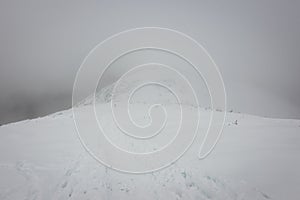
pixel 256 158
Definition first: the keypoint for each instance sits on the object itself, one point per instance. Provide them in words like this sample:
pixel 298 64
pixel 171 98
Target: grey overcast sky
pixel 256 45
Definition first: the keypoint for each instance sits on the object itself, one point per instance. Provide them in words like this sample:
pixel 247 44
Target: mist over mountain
pixel 254 43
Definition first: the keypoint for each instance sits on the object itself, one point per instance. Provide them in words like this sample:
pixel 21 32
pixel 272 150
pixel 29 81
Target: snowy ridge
pixel 43 159
pixel 147 95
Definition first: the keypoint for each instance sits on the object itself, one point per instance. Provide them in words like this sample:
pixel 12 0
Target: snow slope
pixel 256 158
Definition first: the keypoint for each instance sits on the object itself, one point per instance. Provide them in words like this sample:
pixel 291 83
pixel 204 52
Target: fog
pixel 256 45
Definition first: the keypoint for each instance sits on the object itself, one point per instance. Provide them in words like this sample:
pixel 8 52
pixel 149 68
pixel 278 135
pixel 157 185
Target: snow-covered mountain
pixel 256 158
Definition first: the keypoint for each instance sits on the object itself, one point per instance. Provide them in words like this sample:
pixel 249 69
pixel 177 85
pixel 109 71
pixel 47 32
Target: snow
pixel 256 158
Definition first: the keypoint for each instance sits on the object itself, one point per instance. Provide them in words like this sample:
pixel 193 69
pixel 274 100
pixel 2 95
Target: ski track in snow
pixel 83 181
pixel 27 170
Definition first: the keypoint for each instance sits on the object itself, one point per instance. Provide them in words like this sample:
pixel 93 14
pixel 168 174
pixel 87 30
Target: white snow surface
pixel 256 158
